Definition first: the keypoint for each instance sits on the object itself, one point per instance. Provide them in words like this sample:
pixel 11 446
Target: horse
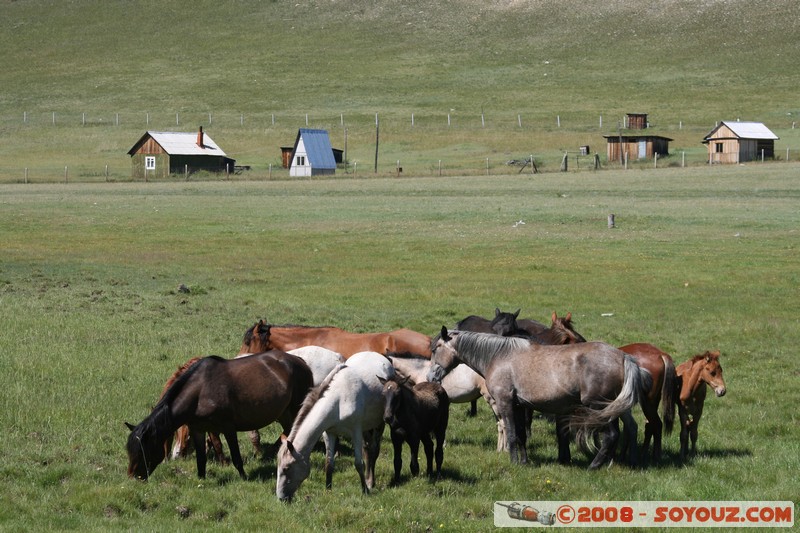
pixel 561 330
pixel 693 375
pixel 588 386
pixel 222 396
pixel 662 369
pixel 413 413
pixel 349 403
pixel 262 336
pixel 320 360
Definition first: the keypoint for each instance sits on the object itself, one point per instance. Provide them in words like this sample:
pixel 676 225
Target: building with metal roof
pixel 737 142
pixel 158 154
pixel 312 154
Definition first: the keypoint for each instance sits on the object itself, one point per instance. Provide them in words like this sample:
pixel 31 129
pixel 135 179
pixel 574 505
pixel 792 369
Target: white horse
pixel 349 403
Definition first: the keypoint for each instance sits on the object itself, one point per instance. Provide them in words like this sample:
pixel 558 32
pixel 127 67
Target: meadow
pixel 94 323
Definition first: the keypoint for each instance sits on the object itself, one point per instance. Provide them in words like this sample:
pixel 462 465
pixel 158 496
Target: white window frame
pixel 149 162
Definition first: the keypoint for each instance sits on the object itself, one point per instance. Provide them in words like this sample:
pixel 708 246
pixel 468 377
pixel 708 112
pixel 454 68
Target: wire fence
pixel 363 128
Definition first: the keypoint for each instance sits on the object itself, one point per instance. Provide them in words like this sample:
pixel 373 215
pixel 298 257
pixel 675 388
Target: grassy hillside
pixel 238 66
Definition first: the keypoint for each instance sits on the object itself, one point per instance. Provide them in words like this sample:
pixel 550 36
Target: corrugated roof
pixel 318 148
pixel 747 130
pixel 179 143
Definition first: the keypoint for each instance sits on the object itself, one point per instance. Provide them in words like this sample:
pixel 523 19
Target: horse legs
pixel 236 455
pixel 562 434
pixel 397 444
pixel 521 429
pixel 255 439
pixel 427 443
pixel 473 408
pixel 608 443
pixel 330 457
pixel 413 443
pixel 631 430
pixel 684 418
pixel 199 441
pixel 371 450
pixel 440 434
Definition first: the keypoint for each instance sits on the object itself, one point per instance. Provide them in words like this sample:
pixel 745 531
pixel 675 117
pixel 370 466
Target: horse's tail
pixel 587 421
pixel 668 394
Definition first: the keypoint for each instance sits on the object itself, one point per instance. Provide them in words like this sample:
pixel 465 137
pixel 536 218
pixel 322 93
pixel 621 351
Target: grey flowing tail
pixel 586 421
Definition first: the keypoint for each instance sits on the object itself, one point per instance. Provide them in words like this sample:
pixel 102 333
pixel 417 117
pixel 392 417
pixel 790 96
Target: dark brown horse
pixel 413 414
pixel 220 396
pixel 662 368
pixel 262 336
pixel 588 386
pixel 693 376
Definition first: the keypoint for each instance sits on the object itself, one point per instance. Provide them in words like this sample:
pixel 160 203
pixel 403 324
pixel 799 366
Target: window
pixel 718 147
pixel 301 160
pixel 150 162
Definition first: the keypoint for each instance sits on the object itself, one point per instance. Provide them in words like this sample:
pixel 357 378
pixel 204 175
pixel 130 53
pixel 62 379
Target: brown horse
pixel 221 396
pixel 177 445
pixel 662 368
pixel 693 376
pixel 413 413
pixel 262 336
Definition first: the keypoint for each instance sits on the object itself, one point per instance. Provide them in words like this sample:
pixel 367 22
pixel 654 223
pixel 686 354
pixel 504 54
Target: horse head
pixel 504 323
pixel 563 331
pixel 712 373
pixel 256 339
pixel 444 356
pixel 145 451
pixel 293 469
pixel 392 394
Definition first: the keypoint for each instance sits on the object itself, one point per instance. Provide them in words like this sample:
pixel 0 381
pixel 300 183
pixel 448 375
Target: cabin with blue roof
pixel 312 154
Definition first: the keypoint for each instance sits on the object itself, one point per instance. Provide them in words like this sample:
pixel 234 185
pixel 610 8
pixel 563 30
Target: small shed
pixel 635 141
pixel 737 142
pixel 639 146
pixel 312 154
pixel 159 153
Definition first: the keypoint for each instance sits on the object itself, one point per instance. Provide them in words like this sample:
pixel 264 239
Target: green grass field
pixel 94 324
pixel 90 262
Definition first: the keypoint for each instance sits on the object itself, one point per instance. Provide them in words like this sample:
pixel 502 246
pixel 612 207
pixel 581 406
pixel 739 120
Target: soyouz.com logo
pixel 644 514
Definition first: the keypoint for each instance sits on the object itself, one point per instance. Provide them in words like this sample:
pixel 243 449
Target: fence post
pixel 683 159
pixel 565 162
pixel 487 166
pixel 66 175
pixel 519 120
pixel 655 160
pixel 440 168
pixel 26 175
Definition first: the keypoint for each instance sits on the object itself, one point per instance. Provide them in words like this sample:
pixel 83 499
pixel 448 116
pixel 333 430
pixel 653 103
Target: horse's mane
pixel 313 397
pixel 179 372
pixel 485 346
pixel 177 386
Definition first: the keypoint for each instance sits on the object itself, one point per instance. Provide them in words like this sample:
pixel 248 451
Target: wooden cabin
pixel 639 146
pixel 634 141
pixel 737 142
pixel 158 154
pixel 312 154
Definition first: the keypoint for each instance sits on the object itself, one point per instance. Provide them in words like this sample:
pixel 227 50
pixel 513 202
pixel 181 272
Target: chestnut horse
pixel 693 376
pixel 662 368
pixel 222 396
pixel 262 336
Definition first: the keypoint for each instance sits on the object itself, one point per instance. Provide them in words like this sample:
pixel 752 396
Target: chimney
pixel 200 137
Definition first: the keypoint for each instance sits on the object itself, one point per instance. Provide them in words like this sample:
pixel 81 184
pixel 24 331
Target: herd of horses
pixel 326 383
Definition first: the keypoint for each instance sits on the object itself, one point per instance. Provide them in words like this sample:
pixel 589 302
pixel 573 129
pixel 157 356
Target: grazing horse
pixel 588 386
pixel 693 376
pixel 413 413
pixel 320 360
pixel 348 403
pixel 222 396
pixel 662 368
pixel 262 336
